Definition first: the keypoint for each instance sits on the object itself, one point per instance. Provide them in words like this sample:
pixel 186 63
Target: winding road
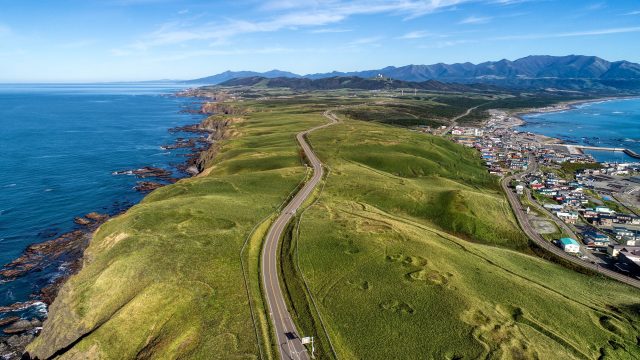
pixel 528 229
pixel 454 121
pixel 289 341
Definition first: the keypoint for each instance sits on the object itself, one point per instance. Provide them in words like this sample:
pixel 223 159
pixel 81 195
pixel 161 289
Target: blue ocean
pixel 613 123
pixel 60 145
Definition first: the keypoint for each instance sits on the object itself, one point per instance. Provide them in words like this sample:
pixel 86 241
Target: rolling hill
pixel 351 82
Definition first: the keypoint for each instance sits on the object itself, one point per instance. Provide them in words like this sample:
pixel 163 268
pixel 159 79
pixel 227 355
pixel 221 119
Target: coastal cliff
pixel 165 279
pixel 116 286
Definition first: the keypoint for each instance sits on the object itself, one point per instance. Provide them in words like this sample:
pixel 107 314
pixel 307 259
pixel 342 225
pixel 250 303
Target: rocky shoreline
pixel 21 322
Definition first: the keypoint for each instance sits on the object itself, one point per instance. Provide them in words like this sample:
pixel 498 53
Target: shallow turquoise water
pixel 59 145
pixel 605 124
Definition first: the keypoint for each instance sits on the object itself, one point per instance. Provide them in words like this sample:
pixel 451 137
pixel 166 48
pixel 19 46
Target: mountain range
pixel 567 72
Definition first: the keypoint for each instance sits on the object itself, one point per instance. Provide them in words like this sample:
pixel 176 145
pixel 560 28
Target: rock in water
pixel 81 221
pixel 8 320
pixel 146 186
pixel 19 326
pixel 96 216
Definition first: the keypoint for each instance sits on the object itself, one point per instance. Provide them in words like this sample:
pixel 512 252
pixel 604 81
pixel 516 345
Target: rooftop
pixel 568 241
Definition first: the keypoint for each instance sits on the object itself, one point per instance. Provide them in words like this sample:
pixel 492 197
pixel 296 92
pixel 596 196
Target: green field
pixel 392 281
pixel 411 251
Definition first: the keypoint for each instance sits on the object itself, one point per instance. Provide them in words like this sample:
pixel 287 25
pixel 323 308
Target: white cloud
pixel 572 34
pixel 474 20
pixel 415 35
pixel 446 43
pixel 511 2
pixel 220 52
pixel 366 40
pixel 410 8
pixel 596 6
pixel 290 15
pixel 637 12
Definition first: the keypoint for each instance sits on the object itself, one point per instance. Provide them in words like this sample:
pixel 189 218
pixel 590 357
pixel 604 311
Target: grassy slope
pixel 391 283
pixel 164 279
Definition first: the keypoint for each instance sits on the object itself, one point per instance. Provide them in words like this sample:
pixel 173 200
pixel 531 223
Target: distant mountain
pixel 228 75
pixel 572 72
pixel 530 67
pixel 351 82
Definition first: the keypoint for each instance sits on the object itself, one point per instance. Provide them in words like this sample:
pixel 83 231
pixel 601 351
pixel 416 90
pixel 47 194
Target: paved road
pixel 454 121
pixel 526 226
pixel 289 343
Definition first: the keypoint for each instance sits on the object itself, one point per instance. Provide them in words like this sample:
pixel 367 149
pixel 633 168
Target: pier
pixel 577 149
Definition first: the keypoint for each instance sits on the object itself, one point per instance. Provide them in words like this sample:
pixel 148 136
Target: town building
pixel 630 259
pixel 594 239
pixel 569 245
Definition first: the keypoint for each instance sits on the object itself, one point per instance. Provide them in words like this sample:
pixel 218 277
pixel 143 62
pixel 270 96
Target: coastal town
pixel 588 209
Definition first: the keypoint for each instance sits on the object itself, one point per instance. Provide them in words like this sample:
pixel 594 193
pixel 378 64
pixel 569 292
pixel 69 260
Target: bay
pixel 614 123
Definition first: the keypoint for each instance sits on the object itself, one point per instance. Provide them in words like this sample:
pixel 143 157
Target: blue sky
pixel 111 40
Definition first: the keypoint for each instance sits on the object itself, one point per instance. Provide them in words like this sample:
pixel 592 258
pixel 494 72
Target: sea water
pixel 60 144
pixel 614 123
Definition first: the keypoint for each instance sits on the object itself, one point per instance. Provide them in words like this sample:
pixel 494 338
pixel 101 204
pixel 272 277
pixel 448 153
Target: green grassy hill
pixel 383 254
pixel 165 279
pixel 410 252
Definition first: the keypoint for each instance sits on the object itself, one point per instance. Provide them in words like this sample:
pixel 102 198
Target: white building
pixel 569 245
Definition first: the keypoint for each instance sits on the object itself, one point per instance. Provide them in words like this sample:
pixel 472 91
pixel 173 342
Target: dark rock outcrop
pixel 8 320
pixel 21 326
pixel 11 348
pixel 148 172
pixel 147 186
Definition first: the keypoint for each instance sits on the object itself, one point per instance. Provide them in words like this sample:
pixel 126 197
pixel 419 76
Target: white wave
pixel 128 172
pixel 41 307
pixel 618 112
